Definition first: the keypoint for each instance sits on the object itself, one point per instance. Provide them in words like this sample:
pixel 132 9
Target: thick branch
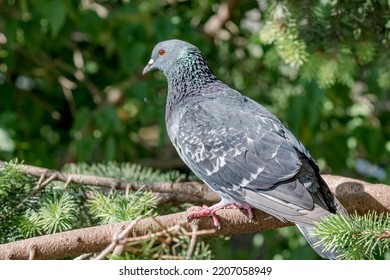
pixel 354 194
pixel 359 196
pixel 95 239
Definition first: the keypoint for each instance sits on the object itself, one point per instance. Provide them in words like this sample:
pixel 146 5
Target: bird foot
pixel 205 211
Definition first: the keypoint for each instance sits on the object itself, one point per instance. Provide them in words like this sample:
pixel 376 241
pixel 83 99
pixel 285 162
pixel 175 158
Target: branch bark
pixel 355 195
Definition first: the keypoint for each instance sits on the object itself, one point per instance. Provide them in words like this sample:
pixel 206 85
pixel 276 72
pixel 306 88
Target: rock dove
pixel 237 147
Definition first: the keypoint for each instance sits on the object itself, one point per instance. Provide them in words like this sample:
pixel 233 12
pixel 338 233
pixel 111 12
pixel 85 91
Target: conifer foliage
pixel 32 208
pixel 362 237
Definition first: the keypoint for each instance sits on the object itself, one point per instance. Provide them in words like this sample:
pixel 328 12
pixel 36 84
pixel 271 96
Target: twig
pixel 67 183
pixel 118 237
pixel 118 250
pixel 119 247
pixel 193 241
pixel 83 256
pixel 136 239
pixel 52 178
pixel 32 252
pixel 384 235
pixel 40 185
pixel 41 178
pixel 169 234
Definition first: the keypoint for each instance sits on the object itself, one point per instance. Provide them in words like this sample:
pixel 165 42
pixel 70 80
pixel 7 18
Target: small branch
pixel 40 185
pixel 118 250
pixel 40 180
pixel 195 192
pixel 117 238
pixel 67 183
pixel 193 241
pixel 52 178
pixel 83 256
pixel 32 251
pixel 384 235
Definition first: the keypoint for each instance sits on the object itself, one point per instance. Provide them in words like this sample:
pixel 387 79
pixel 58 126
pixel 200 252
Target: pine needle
pixel 124 171
pixel 361 237
pixel 116 207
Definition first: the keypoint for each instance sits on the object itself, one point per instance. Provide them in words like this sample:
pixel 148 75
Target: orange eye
pixel 161 52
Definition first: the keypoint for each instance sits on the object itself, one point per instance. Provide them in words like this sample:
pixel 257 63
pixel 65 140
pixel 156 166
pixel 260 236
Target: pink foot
pixel 205 211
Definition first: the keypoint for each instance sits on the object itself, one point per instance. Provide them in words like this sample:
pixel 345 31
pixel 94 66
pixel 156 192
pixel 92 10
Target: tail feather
pixel 313 240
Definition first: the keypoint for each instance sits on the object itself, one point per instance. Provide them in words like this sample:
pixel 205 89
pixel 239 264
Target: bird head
pixel 166 53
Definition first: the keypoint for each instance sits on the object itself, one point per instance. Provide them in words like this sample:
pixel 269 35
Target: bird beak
pixel 148 67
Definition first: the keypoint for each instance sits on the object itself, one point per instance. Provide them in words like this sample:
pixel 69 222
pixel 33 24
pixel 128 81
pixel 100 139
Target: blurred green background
pixel 72 89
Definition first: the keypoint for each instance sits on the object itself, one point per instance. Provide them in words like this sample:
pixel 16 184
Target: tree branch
pixel 356 196
pixel 194 192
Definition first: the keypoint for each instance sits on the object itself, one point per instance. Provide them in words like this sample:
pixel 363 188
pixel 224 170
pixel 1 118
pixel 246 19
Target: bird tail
pixel 313 241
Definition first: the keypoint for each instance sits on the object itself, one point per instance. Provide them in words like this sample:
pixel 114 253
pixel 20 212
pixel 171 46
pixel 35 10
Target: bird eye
pixel 161 52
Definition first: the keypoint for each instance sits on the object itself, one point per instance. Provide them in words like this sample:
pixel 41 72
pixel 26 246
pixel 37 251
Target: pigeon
pixel 238 148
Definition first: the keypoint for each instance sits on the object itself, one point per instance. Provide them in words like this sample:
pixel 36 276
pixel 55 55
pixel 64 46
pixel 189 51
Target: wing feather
pixel 243 153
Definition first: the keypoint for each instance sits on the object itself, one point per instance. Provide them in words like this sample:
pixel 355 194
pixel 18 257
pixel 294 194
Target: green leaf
pixel 85 147
pixel 132 55
pixel 10 32
pixel 108 121
pixel 110 148
pixel 92 25
pixel 55 12
pixel 80 120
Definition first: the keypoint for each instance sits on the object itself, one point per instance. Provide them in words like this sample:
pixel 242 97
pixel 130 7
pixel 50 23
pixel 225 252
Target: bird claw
pixel 205 211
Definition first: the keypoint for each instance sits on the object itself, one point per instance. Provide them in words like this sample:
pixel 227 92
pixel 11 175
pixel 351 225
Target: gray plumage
pixel 237 147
